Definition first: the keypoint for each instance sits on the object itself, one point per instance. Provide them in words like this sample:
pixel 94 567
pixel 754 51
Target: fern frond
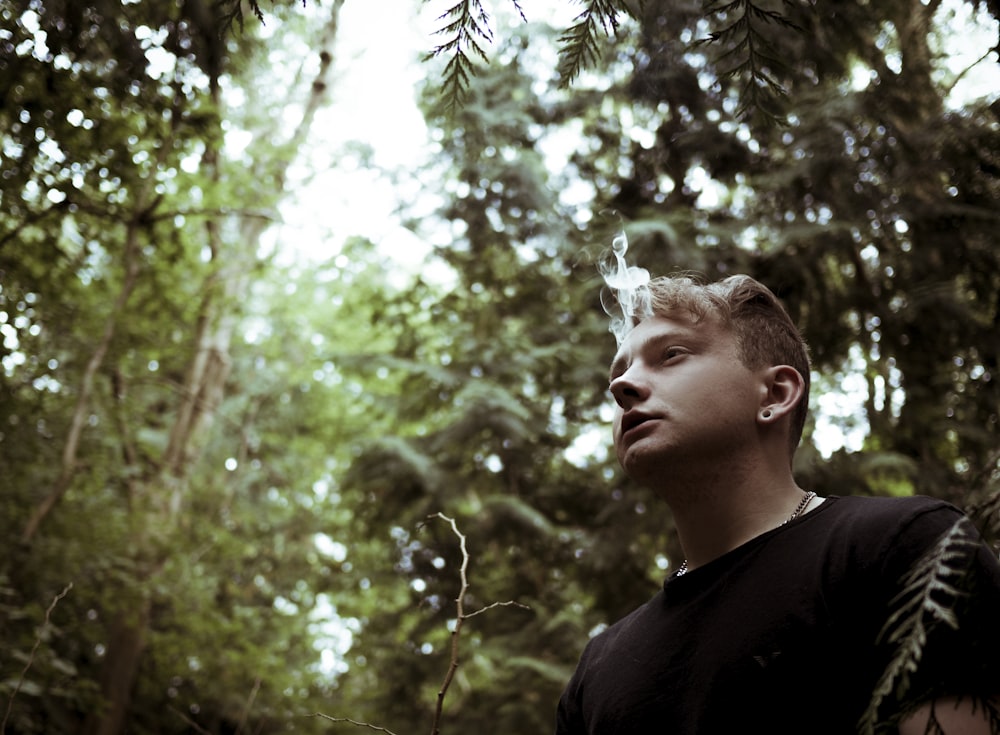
pixel 930 591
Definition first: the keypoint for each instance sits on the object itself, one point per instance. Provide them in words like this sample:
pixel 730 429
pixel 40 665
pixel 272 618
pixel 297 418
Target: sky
pixel 374 103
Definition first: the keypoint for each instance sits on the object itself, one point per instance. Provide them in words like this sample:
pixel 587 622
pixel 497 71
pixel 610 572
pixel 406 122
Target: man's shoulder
pixel 894 531
pixel 897 509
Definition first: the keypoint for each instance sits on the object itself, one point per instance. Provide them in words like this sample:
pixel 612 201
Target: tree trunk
pixel 68 468
pixel 200 397
pixel 126 643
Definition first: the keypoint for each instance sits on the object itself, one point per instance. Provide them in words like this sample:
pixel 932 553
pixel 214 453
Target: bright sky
pixel 374 103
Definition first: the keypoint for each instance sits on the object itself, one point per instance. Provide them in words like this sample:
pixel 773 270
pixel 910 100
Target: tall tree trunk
pixel 202 393
pixel 68 466
pixel 126 643
pixel 142 211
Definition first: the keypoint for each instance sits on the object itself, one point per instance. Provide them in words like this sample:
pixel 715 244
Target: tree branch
pixel 961 75
pixel 353 722
pixel 31 655
pixel 68 466
pixel 460 617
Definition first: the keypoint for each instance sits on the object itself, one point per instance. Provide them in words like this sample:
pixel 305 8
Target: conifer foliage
pixel 233 459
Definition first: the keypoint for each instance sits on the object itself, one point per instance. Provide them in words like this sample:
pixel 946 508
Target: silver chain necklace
pixel 806 499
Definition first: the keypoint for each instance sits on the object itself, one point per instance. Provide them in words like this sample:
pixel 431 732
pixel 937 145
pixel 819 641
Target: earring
pixel 766 413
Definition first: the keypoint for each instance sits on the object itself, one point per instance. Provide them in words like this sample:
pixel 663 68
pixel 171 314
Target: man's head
pixel 765 334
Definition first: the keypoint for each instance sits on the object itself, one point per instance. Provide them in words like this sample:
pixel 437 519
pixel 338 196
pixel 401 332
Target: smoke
pixel 626 299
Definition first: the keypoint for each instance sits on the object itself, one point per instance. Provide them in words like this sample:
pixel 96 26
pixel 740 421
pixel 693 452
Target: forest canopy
pixel 251 456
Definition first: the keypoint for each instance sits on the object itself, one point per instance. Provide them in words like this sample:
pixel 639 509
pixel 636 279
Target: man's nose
pixel 628 388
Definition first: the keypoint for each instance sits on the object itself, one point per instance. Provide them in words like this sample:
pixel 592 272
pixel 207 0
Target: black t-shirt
pixel 779 635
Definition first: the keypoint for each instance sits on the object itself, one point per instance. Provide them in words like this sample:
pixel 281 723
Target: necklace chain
pixel 806 499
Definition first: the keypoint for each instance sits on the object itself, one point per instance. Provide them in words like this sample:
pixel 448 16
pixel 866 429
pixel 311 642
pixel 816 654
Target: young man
pixel 780 620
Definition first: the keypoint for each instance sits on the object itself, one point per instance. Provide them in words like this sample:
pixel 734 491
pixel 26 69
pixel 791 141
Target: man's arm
pixel 953 716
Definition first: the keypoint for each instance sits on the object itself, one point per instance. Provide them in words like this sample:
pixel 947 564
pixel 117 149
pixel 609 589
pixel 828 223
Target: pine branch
pixel 232 14
pixel 468 26
pixel 929 593
pixel 753 54
pixel 580 41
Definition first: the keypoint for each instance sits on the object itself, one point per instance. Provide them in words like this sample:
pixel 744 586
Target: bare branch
pixel 460 617
pixel 189 722
pixel 352 722
pixel 961 75
pixel 249 705
pixel 459 620
pixel 508 603
pixel 31 655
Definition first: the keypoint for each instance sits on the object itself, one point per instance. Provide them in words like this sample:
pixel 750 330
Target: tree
pixel 131 234
pixel 229 457
pixel 867 214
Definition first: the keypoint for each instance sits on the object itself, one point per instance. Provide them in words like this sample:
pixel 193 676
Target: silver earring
pixel 766 413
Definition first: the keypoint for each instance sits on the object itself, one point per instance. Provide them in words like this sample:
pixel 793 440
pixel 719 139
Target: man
pixel 781 618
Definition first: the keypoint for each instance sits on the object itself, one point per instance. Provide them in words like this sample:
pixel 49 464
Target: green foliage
pixel 336 407
pixel 579 43
pixel 125 249
pixel 930 593
pixel 749 54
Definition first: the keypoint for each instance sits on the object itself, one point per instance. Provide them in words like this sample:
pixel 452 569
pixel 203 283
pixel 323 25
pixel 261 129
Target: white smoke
pixel 629 300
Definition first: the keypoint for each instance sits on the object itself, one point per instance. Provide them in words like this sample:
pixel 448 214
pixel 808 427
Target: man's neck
pixel 715 517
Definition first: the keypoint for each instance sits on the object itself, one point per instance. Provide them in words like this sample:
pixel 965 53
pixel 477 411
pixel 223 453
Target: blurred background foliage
pixel 232 457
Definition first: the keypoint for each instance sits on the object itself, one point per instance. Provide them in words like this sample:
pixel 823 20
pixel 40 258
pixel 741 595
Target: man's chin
pixel 642 465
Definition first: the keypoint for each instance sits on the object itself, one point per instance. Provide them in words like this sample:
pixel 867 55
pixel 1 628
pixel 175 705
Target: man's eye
pixel 672 352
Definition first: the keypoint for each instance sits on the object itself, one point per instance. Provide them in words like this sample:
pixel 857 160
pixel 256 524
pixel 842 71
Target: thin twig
pixel 460 617
pixel 961 75
pixel 31 655
pixel 189 722
pixel 249 705
pixel 353 722
pixel 508 603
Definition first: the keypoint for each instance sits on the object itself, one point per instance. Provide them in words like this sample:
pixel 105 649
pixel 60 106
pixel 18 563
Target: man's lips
pixel 635 419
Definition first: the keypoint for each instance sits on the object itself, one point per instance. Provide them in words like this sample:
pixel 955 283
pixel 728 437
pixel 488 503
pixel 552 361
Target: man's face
pixel 683 395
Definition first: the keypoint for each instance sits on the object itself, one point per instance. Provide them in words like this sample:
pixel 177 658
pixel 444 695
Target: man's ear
pixel 782 390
